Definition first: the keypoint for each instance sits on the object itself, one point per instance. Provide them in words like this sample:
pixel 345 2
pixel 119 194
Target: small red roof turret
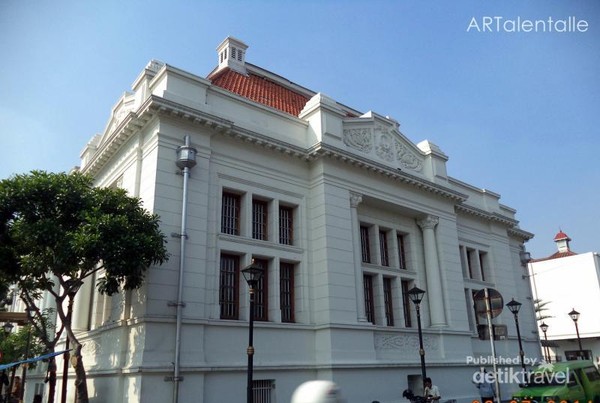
pixel 561 236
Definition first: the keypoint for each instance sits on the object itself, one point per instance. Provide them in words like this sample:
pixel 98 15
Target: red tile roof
pixel 556 255
pixel 560 236
pixel 260 89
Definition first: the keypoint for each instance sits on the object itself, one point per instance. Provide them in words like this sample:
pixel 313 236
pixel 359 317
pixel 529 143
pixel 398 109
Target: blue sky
pixel 518 113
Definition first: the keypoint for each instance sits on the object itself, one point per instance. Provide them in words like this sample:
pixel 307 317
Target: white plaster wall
pixel 368 361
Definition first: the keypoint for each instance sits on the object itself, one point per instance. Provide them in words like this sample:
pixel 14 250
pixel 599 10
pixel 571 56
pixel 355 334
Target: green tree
pixel 541 307
pixel 58 227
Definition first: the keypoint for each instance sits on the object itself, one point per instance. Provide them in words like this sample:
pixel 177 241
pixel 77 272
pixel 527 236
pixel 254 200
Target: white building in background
pixel 343 211
pixel 567 281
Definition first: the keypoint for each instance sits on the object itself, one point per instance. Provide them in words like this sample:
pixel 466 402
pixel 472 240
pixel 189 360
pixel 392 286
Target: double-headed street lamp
pixel 252 274
pixel 416 296
pixel 514 307
pixel 544 328
pixel 575 316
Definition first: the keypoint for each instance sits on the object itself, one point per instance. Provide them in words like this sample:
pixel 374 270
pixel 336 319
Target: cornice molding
pixel 490 216
pixel 158 106
pixel 521 234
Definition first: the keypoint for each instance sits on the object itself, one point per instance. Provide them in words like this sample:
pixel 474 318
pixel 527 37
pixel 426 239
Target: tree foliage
pixel 540 310
pixel 58 227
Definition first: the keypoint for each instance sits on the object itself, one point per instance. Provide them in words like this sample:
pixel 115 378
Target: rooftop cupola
pixel 232 54
pixel 562 241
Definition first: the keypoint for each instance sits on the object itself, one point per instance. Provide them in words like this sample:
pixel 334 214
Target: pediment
pixel 124 107
pixel 379 139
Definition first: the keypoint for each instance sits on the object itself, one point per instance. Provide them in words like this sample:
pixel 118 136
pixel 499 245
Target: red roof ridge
pixel 260 89
pixel 556 255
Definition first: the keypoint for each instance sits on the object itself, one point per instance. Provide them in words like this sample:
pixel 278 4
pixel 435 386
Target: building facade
pixel 564 282
pixel 344 213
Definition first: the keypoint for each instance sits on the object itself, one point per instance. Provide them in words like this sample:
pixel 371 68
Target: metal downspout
pixel 186 159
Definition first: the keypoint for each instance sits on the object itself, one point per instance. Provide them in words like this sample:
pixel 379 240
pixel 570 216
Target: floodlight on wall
pixel 525 257
pixel 186 155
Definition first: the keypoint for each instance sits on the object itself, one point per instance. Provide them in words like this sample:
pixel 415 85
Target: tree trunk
pixel 51 380
pixel 80 376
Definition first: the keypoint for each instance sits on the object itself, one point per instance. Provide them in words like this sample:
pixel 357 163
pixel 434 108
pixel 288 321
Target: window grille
pixel 263 390
pixel 364 243
pixel 230 214
pixel 259 219
pixel 229 287
pixel 401 252
pixel 261 292
pixel 369 303
pixel 406 303
pixel 388 301
pixel 286 225
pixel 383 248
pixel 286 291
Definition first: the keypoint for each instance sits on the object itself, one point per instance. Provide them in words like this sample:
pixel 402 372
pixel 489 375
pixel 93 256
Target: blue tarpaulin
pixel 34 359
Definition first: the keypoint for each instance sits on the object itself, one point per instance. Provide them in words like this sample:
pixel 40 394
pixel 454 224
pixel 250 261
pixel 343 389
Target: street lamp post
pixel 544 328
pixel 575 316
pixel 252 274
pixel 416 296
pixel 514 307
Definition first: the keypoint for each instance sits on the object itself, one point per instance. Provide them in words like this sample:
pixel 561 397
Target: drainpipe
pixel 186 159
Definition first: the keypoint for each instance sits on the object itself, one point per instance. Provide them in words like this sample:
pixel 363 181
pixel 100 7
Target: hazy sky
pixel 518 113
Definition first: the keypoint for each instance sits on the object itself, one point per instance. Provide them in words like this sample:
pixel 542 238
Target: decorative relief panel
pixel 387 144
pixel 91 347
pixel 120 114
pixel 385 148
pixel 407 159
pixel 405 343
pixel 360 139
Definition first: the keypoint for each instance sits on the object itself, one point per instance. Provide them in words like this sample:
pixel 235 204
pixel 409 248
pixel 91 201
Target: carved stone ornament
pixel 407 159
pixel 405 343
pixel 428 222
pixel 384 148
pixel 355 200
pixel 359 139
pixel 120 114
pixel 91 347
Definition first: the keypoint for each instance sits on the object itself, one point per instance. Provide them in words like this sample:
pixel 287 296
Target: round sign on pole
pixel 496 302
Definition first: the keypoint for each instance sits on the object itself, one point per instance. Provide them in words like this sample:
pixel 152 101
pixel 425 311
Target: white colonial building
pixel 564 282
pixel 344 213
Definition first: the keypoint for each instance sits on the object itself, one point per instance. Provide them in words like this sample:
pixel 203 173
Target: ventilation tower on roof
pixel 232 54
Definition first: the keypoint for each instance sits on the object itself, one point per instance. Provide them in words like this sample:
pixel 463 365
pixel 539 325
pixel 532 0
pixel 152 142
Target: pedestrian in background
pixel 486 385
